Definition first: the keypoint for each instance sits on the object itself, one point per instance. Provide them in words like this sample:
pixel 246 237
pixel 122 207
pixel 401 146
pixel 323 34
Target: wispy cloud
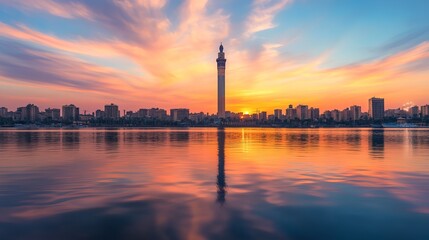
pixel 262 16
pixel 406 40
pixel 64 9
pixel 28 64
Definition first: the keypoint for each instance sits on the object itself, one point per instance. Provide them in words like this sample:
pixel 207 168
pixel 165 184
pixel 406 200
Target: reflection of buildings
pixel 71 140
pixel 221 182
pixel 376 142
pixel 179 136
pixel 111 141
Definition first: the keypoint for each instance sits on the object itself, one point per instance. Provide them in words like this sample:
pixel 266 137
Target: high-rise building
pixel 99 114
pixel 179 114
pixel 33 112
pixel 53 114
pixel 335 114
pixel 327 115
pixel 221 65
pixel 111 111
pixel 302 112
pixel 3 112
pixel 314 113
pixel 19 115
pixel 29 113
pixel 291 113
pixel 425 111
pixel 262 116
pixel 356 112
pixel 345 115
pixel 376 108
pixel 70 113
pixel 130 114
pixel 278 114
pixel 414 112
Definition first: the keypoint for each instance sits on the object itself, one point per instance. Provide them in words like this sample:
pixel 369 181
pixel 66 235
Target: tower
pixel 221 64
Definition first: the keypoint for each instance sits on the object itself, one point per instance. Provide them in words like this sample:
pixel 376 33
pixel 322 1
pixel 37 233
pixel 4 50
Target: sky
pixel 137 54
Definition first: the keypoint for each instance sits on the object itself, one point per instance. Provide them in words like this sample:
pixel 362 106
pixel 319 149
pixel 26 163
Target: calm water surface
pixel 212 184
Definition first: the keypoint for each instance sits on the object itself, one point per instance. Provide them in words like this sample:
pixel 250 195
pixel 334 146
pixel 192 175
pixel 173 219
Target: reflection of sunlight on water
pixel 284 178
pixel 245 139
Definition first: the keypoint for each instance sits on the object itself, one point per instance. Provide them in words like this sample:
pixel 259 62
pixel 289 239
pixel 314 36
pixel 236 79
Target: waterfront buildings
pixel 425 111
pixel 278 114
pixel 263 116
pixel 221 65
pixel 302 115
pixel 111 111
pixel 291 113
pixel 395 113
pixel 29 113
pixel 53 114
pixel 335 115
pixel 100 114
pixel 179 114
pixel 70 113
pixel 376 108
pixel 3 112
pixel 86 117
pixel 157 113
pixel 142 113
pixel 414 112
pixel 355 112
pixel 313 113
pixel 197 117
pixel 302 112
pixel 345 115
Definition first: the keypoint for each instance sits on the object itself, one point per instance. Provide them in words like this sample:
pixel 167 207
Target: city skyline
pixel 156 53
pixel 375 110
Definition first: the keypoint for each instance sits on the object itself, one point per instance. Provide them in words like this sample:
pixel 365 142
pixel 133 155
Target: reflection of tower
pixel 221 182
pixel 221 64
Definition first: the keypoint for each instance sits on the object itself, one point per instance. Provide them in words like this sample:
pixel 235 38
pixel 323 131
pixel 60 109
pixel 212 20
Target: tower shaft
pixel 221 65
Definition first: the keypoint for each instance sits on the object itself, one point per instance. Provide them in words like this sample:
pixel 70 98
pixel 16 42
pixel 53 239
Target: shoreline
pixel 194 127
